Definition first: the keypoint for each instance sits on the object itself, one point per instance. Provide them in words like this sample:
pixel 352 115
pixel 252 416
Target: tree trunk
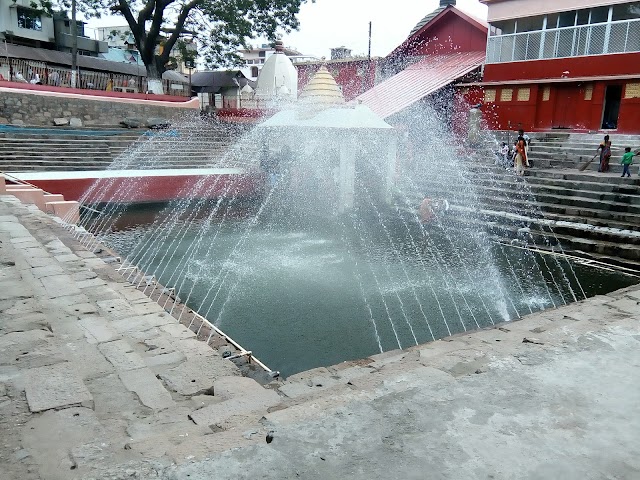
pixel 154 78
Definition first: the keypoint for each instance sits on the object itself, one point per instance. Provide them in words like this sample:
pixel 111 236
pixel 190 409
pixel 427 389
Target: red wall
pixel 355 77
pixel 565 108
pixel 592 66
pixel 451 34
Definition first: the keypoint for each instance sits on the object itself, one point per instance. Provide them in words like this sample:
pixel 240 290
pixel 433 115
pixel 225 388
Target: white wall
pixel 508 9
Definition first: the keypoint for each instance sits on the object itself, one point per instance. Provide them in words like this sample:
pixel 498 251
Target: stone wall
pixel 41 110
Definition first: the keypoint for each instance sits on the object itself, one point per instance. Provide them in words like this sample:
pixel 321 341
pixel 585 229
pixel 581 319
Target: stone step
pixel 503 227
pixel 493 194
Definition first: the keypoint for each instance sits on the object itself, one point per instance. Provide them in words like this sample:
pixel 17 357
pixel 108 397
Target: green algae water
pixel 316 291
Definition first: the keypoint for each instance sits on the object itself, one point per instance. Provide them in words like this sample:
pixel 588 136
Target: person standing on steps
pixel 527 141
pixel 605 154
pixel 521 156
pixel 627 160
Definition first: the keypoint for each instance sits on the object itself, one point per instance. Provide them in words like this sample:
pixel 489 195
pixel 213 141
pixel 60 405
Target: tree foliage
pixel 220 27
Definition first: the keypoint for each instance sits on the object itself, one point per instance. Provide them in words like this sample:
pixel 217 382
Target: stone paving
pixel 92 372
pixel 96 382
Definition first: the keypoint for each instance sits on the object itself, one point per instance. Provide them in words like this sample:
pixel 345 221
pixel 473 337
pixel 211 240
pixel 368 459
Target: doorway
pixel 565 113
pixel 612 98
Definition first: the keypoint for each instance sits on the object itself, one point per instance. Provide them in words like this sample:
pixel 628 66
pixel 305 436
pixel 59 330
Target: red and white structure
pixel 571 65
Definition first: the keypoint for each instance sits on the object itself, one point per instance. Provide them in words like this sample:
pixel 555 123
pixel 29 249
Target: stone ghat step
pixel 542 237
pixel 629 195
pixel 580 176
pixel 501 194
pixel 547 227
pixel 536 176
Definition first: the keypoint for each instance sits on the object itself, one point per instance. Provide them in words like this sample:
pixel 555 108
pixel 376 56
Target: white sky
pixel 333 23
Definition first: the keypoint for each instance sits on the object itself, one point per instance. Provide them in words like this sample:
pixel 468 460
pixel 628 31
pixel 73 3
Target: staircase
pixel 590 214
pixel 33 149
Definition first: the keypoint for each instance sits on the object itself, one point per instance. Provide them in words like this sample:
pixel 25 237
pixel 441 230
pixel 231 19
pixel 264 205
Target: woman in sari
pixel 605 154
pixel 521 156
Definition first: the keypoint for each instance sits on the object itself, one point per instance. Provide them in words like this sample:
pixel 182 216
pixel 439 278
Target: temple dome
pixel 278 78
pixel 322 89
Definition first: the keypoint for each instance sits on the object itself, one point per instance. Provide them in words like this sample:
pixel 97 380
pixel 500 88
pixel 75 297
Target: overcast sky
pixel 333 23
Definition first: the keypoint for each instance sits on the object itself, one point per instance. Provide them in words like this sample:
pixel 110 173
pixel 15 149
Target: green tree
pixel 219 26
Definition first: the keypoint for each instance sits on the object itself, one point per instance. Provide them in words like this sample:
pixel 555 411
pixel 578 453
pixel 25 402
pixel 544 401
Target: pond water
pixel 303 291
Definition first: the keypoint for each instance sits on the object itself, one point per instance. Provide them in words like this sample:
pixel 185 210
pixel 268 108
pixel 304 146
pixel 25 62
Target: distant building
pixel 117 37
pixel 340 53
pixel 573 65
pixel 20 24
pixel 255 58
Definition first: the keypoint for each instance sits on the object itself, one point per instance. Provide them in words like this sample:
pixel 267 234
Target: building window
pixel 29 19
pixel 629 11
pixel 588 92
pixel 506 94
pixel 254 71
pixel 262 54
pixel 632 90
pixel 546 94
pixel 524 94
pixel 490 95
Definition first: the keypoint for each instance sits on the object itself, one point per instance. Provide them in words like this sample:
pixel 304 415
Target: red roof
pixel 419 80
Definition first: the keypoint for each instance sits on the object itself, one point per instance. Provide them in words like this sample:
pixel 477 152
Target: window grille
pixel 614 37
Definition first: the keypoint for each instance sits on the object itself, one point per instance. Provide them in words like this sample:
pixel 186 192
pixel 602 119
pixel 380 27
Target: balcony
pixel 598 39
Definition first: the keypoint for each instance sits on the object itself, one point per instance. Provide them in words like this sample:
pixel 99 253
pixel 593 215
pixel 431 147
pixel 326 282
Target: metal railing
pixel 602 38
pixel 41 73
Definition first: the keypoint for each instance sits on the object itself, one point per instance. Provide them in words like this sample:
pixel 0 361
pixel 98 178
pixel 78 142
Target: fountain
pixel 332 260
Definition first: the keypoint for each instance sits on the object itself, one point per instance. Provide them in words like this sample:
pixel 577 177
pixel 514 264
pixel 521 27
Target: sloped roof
pixel 426 20
pixel 432 19
pixel 419 80
pixel 214 81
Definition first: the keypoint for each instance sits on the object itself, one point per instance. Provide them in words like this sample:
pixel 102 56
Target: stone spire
pixel 322 90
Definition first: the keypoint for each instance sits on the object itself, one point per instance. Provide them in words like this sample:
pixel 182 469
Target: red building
pixel 573 65
pixel 445 48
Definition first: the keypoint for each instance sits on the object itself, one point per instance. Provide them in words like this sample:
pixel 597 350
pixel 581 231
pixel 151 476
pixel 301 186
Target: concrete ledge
pixel 69 211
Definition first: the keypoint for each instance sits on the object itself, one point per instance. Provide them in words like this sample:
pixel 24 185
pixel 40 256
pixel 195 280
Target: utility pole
pixel 369 40
pixel 74 46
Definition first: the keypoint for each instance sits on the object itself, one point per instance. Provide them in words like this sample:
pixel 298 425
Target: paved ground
pixel 97 382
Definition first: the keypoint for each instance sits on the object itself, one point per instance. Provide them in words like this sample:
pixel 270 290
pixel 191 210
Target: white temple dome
pixel 278 78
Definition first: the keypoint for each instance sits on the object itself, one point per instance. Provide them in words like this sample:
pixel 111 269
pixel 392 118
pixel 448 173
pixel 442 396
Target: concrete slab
pixel 254 405
pixel 121 355
pixel 98 330
pixel 147 387
pixel 55 386
pixel 197 374
pixel 59 286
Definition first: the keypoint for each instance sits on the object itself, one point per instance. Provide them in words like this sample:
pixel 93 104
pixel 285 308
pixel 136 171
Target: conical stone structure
pixel 322 90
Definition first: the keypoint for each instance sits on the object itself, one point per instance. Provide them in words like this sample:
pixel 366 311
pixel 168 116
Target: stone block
pixel 28 195
pixel 121 355
pixel 198 374
pixel 178 330
pixel 59 122
pixel 68 211
pixel 75 122
pixel 116 309
pixel 55 386
pixel 49 198
pixel 98 330
pixel 59 286
pixel 255 405
pixel 148 388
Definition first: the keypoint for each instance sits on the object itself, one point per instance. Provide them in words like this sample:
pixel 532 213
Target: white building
pixel 21 24
pixel 255 58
